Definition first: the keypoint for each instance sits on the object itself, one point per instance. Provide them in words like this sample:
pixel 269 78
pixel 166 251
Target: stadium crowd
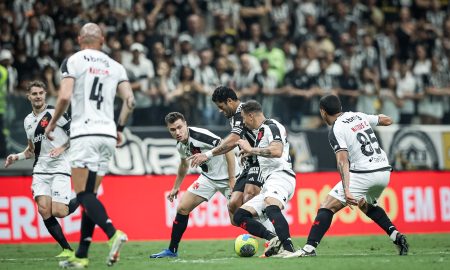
pixel 385 56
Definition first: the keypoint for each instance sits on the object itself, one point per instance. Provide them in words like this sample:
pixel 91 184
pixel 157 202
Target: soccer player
pixel 51 169
pixel 364 170
pixel 90 82
pixel 272 151
pixel 249 184
pixel 218 174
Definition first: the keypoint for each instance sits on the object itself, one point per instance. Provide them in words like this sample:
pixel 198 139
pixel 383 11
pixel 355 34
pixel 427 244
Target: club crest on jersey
pixel 44 122
pixel 260 134
pixel 194 150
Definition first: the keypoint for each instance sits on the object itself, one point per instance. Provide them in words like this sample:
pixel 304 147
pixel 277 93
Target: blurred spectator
pixel 195 29
pixel 275 56
pixel 169 25
pixel 348 89
pixel 256 37
pixel 435 15
pixel 161 87
pixel 279 13
pixel 187 56
pixel 32 36
pixel 230 8
pixel 267 84
pixel 3 96
pixel 390 102
pixel 407 91
pixel 10 74
pixel 251 11
pixel 405 32
pixel 222 34
pixel 136 22
pixel 369 87
pixel 244 80
pixel 46 22
pixel 223 71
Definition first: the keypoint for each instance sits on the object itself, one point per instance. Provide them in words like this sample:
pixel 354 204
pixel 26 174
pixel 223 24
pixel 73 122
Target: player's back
pixel 353 132
pixel 96 79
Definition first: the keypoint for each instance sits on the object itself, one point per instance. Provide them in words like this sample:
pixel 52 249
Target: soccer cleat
pixel 272 247
pixel 115 243
pixel 401 244
pixel 74 262
pixel 165 253
pixel 301 253
pixel 66 253
pixel 282 254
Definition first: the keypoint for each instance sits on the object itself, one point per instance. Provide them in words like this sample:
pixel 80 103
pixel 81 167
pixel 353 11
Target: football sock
pixel 320 226
pixel 56 232
pixel 179 226
pixel 378 215
pixel 96 211
pixel 245 220
pixel 87 230
pixel 273 212
pixel 73 205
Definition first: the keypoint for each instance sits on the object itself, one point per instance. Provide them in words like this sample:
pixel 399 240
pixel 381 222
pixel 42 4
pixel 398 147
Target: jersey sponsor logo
pixel 98 71
pixel 44 122
pixel 39 138
pixel 351 119
pixel 90 58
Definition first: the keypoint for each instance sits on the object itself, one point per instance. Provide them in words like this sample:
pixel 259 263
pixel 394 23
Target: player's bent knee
pixel 241 215
pixel 45 211
pixel 60 210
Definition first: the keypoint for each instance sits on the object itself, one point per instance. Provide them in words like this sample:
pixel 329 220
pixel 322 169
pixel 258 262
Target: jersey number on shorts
pixel 97 97
pixel 367 141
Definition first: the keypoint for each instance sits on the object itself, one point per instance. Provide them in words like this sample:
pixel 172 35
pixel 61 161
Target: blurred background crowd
pixel 385 56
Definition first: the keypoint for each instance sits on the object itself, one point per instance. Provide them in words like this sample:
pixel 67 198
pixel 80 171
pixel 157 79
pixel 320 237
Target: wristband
pixel 209 154
pixel 120 128
pixel 21 156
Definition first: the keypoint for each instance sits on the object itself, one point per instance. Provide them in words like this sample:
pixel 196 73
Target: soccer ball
pixel 245 245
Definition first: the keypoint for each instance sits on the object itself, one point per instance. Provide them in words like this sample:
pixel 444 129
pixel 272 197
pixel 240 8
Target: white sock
pixel 269 226
pixel 308 248
pixel 393 235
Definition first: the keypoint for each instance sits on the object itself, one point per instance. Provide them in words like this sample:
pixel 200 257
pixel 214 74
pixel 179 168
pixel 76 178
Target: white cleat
pixel 116 243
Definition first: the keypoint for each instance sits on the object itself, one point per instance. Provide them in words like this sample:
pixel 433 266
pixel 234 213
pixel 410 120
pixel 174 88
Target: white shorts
pixel 206 188
pixel 363 185
pixel 279 185
pixel 56 186
pixel 92 152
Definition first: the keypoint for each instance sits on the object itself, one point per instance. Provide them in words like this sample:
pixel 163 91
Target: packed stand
pixel 379 57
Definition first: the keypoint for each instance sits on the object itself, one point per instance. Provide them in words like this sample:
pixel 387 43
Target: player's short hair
pixel 222 93
pixel 330 104
pixel 251 106
pixel 173 116
pixel 36 83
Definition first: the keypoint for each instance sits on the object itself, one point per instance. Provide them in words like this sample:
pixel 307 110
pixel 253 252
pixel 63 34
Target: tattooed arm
pixel 344 171
pixel 225 146
pixel 274 150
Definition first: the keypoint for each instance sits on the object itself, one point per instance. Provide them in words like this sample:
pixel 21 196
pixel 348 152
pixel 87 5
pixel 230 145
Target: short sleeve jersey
pixel 238 127
pixel 272 131
pixel 200 141
pixel 352 132
pixel 96 79
pixel 35 127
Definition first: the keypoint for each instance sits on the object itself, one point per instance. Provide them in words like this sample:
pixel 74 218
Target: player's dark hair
pixel 222 93
pixel 173 116
pixel 36 83
pixel 251 106
pixel 331 104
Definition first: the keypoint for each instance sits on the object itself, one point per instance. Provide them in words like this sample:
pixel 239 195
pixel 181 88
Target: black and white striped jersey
pixel 238 127
pixel 200 141
pixel 272 131
pixel 352 132
pixel 35 127
pixel 96 78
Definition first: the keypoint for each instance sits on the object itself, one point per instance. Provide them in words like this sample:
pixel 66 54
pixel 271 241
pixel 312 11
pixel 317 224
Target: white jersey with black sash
pixel 96 78
pixel 352 132
pixel 35 127
pixel 200 141
pixel 272 131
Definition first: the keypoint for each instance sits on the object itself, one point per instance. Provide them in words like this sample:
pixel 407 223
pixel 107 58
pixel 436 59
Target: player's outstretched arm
pixel 182 171
pixel 26 154
pixel 64 96
pixel 231 162
pixel 126 94
pixel 274 150
pixel 225 146
pixel 384 120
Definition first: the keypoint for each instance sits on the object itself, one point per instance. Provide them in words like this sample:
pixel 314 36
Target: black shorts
pixel 249 175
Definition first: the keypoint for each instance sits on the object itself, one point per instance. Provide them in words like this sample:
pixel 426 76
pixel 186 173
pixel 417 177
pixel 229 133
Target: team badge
pixel 44 122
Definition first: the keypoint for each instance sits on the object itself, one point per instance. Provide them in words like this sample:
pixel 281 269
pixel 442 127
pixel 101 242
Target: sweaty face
pixel 225 108
pixel 36 96
pixel 248 120
pixel 178 130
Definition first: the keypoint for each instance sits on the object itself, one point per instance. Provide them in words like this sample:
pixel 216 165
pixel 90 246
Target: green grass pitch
pixel 430 251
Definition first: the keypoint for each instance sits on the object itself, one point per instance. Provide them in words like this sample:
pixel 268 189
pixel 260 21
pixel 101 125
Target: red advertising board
pixel 417 202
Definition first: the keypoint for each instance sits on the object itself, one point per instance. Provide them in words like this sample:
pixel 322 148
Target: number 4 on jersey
pixel 97 96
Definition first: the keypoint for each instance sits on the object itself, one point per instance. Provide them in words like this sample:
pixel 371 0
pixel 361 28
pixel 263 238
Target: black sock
pixel 55 230
pixel 96 211
pixel 179 226
pixel 273 212
pixel 378 215
pixel 320 226
pixel 87 230
pixel 73 205
pixel 245 220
